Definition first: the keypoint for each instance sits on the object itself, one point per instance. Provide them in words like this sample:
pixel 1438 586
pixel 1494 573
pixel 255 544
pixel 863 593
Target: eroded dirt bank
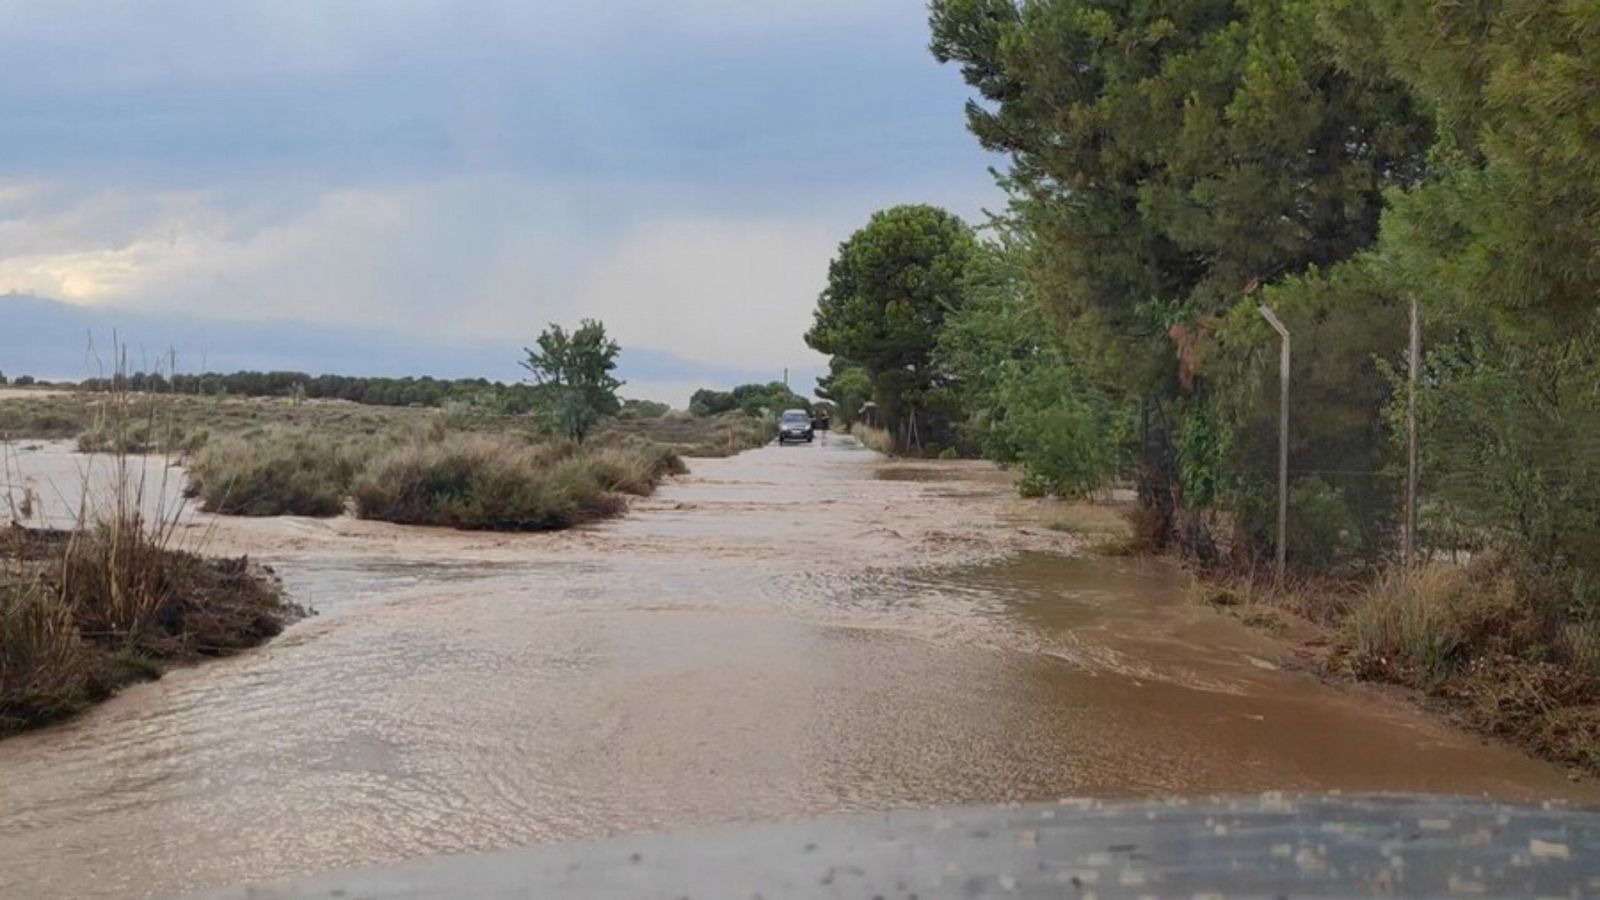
pixel 788 632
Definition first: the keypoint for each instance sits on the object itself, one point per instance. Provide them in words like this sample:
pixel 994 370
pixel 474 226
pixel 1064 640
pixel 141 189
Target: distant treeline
pixel 494 396
pixel 751 399
pixel 407 391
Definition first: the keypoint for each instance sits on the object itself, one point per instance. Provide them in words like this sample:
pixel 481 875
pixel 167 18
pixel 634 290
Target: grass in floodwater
pixel 117 597
pixel 497 482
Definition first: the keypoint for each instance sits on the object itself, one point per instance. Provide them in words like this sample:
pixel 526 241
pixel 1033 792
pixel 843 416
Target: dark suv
pixel 795 425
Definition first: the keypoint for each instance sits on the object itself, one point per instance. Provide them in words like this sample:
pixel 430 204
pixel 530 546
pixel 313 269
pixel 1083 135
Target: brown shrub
pixel 501 483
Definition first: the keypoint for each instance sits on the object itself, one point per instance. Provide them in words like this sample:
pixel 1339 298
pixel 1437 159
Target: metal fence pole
pixel 1283 439
pixel 1408 550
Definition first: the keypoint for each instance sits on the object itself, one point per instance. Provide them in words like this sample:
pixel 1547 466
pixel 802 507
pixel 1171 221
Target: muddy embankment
pixel 791 631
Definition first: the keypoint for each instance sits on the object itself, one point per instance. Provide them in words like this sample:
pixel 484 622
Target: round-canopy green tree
pixel 573 370
pixel 889 290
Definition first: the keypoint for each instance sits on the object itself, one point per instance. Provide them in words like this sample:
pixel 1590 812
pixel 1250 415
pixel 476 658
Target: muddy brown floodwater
pixel 788 632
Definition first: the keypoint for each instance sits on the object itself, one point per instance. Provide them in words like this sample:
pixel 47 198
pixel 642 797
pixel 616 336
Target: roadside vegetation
pixel 1172 173
pixel 1487 643
pixel 873 438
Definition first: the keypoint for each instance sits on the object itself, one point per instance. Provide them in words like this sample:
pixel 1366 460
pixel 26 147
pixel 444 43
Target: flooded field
pixel 792 631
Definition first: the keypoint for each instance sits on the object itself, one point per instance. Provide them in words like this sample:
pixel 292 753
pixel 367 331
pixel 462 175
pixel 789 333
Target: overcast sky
pixel 473 169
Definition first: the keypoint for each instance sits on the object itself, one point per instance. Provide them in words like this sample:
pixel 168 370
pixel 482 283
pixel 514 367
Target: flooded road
pixel 792 631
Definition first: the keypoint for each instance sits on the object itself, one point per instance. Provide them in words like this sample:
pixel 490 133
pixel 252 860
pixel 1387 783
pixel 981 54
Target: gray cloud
pixel 470 169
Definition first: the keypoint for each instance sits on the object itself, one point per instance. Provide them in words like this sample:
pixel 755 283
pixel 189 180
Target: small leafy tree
pixel 574 372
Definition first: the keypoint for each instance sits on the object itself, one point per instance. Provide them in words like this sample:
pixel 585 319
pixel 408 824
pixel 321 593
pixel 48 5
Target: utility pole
pixel 785 376
pixel 1408 549
pixel 1283 438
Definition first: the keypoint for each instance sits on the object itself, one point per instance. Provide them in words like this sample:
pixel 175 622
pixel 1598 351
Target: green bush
pixel 276 474
pixel 1064 435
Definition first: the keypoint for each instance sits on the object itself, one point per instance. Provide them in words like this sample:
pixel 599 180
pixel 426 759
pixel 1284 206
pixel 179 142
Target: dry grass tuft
pixel 1104 529
pixel 877 439
pixel 500 483
pixel 696 436
pixel 281 473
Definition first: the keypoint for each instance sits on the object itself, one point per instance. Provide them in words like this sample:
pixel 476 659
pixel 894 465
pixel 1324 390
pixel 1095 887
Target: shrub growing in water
pixel 83 613
pixel 277 474
pixel 633 467
pixel 497 482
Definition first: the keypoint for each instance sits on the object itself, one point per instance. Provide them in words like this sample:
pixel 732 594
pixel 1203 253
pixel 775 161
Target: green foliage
pixel 574 369
pixel 1175 165
pixel 1168 161
pixel 768 399
pixel 1505 226
pixel 1066 437
pixel 848 386
pixel 1324 524
pixel 1501 245
pixel 998 337
pixel 889 290
pixel 1023 398
pixel 1349 330
pixel 1167 156
pixel 1202 444
pixel 752 399
pixel 1511 450
pixel 707 402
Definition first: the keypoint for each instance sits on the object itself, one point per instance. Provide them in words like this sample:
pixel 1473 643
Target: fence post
pixel 1283 439
pixel 1409 548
